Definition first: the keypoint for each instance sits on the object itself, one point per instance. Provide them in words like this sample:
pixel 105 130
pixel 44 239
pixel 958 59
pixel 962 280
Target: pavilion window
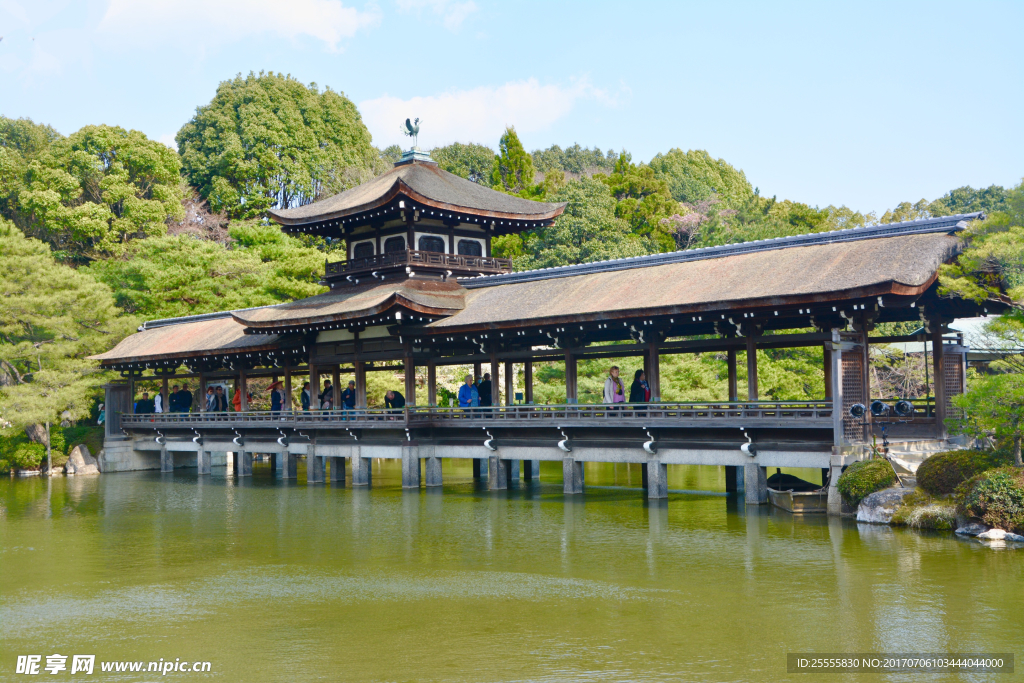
pixel 394 244
pixel 432 243
pixel 470 248
pixel 363 250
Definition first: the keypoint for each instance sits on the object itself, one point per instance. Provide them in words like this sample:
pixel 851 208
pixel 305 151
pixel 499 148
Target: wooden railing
pixel 414 258
pixel 806 414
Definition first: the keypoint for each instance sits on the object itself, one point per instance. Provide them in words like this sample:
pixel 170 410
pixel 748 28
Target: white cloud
pixel 477 115
pixel 452 13
pixel 184 20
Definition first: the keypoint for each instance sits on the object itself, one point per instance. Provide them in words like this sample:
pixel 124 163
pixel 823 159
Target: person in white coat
pixel 158 403
pixel 614 389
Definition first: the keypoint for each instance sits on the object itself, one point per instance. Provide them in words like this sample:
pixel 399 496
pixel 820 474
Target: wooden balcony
pixel 419 260
pixel 770 414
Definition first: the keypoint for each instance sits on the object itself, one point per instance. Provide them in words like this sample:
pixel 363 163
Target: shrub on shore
pixel 943 472
pixel 921 511
pixel 996 497
pixel 864 478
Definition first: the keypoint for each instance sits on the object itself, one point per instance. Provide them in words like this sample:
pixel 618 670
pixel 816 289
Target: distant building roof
pixel 426 183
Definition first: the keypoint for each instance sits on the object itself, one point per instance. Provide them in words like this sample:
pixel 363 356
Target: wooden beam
pixel 570 377
pixel 410 381
pixel 288 403
pixel 528 381
pixel 654 377
pixel 495 382
pixel 431 383
pixel 243 389
pixel 510 383
pixel 939 380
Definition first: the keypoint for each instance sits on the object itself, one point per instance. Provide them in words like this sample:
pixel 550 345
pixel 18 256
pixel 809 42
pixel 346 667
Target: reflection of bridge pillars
pixel 166 460
pixel 203 461
pixel 338 472
pixel 361 469
pixel 657 526
pixel 657 478
pixel 835 500
pixel 410 467
pixel 477 468
pixel 572 476
pixel 314 466
pixel 755 484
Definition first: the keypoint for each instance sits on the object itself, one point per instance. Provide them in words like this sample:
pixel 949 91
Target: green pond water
pixel 280 581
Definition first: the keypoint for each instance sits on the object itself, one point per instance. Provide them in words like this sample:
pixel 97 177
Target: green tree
pixel 994 406
pixel 470 161
pixel 643 200
pixel 51 318
pixel 968 200
pixel 695 176
pixel 513 168
pixel 91 192
pixel 172 276
pixel 587 231
pixel 576 160
pixel 991 267
pixel 269 141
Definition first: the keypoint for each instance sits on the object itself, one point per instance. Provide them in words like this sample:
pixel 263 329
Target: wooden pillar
pixel 410 382
pixel 495 383
pixel 163 395
pixel 734 392
pixel 838 417
pixel 477 373
pixel 570 377
pixel 202 396
pixel 314 383
pixel 751 368
pixel 131 393
pixel 528 381
pixel 827 367
pixel 653 361
pixel 431 382
pixel 288 404
pixel 336 387
pixel 939 380
pixel 243 388
pixel 510 383
pixel 360 368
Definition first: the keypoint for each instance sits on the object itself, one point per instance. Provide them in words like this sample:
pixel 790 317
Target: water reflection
pixel 462 583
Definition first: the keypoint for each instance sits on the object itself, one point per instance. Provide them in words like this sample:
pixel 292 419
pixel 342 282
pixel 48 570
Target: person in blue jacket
pixel 469 397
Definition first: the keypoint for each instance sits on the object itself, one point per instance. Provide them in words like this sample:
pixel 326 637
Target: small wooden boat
pixel 795 495
pixel 799 502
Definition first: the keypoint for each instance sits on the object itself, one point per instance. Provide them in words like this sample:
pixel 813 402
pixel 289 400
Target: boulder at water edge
pixel 878 507
pixel 81 462
pixel 999 535
pixel 972 529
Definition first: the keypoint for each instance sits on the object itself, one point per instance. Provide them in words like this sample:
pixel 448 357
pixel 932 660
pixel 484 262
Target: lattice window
pixel 853 392
pixel 953 380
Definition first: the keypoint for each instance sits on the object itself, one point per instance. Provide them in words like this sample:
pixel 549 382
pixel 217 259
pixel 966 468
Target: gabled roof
pixel 426 183
pixel 902 265
pixel 943 224
pixel 433 298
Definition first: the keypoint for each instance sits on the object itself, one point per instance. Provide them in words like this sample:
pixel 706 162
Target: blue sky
pixel 863 104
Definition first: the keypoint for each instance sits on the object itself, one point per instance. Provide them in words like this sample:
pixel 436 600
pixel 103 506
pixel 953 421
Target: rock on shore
pixel 80 462
pixel 878 507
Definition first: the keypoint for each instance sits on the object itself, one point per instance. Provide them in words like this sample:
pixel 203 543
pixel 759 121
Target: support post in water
pixel 755 484
pixel 572 476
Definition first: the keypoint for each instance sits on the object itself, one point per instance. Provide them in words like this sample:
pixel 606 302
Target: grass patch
pixel 864 478
pixel 942 473
pixel 921 511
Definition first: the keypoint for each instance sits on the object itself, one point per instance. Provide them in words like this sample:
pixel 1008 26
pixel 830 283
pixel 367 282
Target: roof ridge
pixel 919 226
pixel 200 317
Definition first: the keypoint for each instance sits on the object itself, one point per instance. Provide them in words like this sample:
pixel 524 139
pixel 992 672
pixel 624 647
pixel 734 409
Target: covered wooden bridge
pixel 447 302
